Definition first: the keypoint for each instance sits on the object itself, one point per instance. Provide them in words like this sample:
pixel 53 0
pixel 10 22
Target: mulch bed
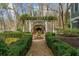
pixel 74 41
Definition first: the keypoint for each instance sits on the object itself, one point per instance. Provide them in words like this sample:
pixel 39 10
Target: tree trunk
pixel 4 24
pixel 67 15
pixel 17 17
pixel 62 19
pixel 61 13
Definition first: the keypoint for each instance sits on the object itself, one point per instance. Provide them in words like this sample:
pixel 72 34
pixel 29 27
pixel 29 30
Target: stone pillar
pixel 46 25
pixel 70 19
pixel 53 22
pixel 29 25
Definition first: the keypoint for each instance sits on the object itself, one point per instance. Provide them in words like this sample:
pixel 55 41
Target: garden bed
pixel 70 36
pixel 74 41
pixel 60 47
pixel 17 47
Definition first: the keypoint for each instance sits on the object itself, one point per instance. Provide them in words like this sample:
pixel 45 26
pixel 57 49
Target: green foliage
pixel 24 17
pixel 4 5
pixel 20 30
pixel 59 47
pixel 1 35
pixel 20 47
pixel 50 34
pixel 3 48
pixel 78 52
pixel 71 32
pixel 63 49
pixel 52 18
pixel 13 34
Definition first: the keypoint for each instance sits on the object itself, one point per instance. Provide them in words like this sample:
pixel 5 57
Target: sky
pixel 35 6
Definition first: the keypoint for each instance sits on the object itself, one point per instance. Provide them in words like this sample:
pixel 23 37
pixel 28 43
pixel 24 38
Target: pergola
pixel 25 17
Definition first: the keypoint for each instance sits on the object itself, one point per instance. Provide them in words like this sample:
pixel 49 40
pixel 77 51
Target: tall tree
pixel 68 5
pixel 3 6
pixel 1 21
pixel 17 15
pixel 61 13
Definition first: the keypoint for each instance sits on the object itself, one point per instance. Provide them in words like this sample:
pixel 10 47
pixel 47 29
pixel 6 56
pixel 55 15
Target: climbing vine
pixel 27 17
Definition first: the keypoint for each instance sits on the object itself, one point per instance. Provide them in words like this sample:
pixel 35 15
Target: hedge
pixel 14 34
pixel 20 47
pixel 3 48
pixel 59 47
pixel 78 52
pixel 71 32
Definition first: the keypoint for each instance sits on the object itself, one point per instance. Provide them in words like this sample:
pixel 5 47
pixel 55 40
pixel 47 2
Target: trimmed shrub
pixel 3 48
pixel 77 52
pixel 20 46
pixel 13 34
pixel 59 47
pixel 63 49
pixel 71 32
pixel 1 35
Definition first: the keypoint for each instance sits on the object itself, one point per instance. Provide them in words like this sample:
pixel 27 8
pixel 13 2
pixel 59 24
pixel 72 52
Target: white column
pixel 46 25
pixel 70 19
pixel 29 26
pixel 53 25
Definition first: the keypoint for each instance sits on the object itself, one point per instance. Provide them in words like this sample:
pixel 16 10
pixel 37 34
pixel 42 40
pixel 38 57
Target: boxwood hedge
pixel 3 48
pixel 20 47
pixel 59 47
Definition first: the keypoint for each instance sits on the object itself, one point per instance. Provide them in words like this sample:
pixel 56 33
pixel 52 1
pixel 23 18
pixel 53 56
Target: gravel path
pixel 39 48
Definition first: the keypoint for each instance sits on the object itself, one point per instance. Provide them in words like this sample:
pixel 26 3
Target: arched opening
pixel 38 31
